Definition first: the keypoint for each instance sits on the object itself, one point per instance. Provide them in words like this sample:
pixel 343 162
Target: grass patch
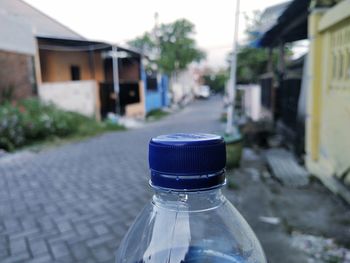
pixel 87 129
pixel 156 114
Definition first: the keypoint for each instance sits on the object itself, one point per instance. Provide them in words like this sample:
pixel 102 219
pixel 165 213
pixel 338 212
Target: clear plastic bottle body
pixel 190 227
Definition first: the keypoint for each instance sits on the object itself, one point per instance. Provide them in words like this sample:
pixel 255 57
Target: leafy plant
pixel 12 132
pixel 6 93
pixel 217 81
pixel 171 46
pixel 31 120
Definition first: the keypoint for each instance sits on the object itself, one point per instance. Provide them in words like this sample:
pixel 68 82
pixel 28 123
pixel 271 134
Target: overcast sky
pixel 118 21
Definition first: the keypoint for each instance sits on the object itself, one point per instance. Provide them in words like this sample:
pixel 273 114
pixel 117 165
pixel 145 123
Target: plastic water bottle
pixel 188 219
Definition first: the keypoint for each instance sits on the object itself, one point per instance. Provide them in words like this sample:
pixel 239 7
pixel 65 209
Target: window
pixel 75 73
pixel 152 83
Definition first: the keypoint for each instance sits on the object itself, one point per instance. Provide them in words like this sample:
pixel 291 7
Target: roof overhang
pixel 68 44
pixel 290 26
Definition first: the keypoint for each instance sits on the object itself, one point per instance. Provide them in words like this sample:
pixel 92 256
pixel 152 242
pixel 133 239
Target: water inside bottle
pixel 193 255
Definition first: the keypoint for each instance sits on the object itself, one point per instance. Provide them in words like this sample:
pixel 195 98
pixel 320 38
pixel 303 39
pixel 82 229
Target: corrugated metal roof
pixel 267 20
pixel 290 26
pixel 41 24
pixel 15 36
pixel 270 16
pixel 66 45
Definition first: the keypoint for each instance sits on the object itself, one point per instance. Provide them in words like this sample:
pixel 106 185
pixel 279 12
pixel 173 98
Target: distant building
pixel 185 85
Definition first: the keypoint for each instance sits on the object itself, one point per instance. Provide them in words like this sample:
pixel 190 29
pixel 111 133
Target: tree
pixel 174 44
pixel 252 61
pixel 144 44
pixel 217 80
pixel 177 47
pixel 253 24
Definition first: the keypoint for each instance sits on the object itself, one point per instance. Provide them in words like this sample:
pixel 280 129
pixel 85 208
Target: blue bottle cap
pixel 184 161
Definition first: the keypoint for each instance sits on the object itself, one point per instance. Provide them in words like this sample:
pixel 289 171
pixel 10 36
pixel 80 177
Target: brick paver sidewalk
pixel 75 202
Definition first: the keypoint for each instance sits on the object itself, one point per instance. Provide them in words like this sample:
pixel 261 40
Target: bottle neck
pixel 188 201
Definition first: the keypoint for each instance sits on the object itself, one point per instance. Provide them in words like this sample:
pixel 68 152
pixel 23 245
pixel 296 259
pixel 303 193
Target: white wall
pixel 16 36
pixel 76 96
pixel 252 101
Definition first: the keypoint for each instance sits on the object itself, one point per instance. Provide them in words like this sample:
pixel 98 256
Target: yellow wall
pixel 328 124
pixel 314 98
pixel 55 65
pixel 137 109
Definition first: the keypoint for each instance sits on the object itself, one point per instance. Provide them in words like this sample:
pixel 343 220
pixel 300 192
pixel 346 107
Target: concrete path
pixel 285 167
pixel 305 224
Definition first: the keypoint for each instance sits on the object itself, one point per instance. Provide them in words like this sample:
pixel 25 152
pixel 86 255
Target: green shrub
pixel 31 120
pixel 43 120
pixel 12 132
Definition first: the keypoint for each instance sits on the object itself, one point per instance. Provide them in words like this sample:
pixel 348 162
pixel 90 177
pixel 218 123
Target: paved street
pixel 75 202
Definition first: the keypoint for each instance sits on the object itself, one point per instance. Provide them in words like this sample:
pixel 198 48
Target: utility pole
pixel 156 37
pixel 232 82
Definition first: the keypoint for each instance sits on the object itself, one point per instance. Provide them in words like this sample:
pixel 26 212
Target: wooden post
pixel 37 68
pixel 92 63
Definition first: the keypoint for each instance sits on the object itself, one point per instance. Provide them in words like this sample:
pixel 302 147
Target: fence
pixel 77 96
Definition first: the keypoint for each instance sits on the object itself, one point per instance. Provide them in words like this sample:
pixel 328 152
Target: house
pixel 86 76
pixel 324 82
pixel 282 87
pixel 156 88
pixel 77 74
